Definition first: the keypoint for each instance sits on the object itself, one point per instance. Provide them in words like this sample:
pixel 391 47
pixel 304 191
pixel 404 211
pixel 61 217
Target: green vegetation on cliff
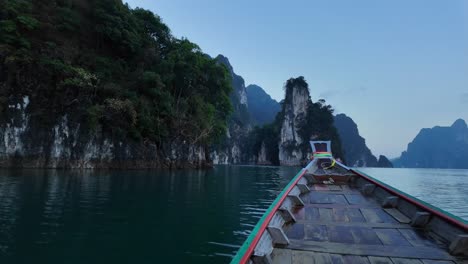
pixel 315 123
pixel 110 68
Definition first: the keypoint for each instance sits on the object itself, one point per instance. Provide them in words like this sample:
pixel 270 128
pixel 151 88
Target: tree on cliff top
pixel 317 123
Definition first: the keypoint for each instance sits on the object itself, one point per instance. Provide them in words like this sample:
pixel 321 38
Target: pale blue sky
pixel 393 66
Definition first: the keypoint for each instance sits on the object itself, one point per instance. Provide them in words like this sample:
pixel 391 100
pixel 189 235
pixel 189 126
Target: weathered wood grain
pixel 316 232
pixel 281 256
pixel 406 261
pixel 296 231
pixel 379 260
pixel 278 236
pixel 364 235
pixel 399 216
pixel 420 219
pixel 325 214
pixel 459 245
pixel 340 234
pixel 312 214
pixel 354 215
pixel 431 261
pixel 370 250
pixel 392 237
pixel 310 257
pixel 358 224
pixel 390 202
pixel 417 238
pixel 367 189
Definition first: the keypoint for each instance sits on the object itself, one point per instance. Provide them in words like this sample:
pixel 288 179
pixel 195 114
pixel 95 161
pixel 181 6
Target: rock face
pixel 357 154
pixel 295 107
pixel 27 142
pixel 438 147
pixel 232 148
pixel 384 162
pixel 262 107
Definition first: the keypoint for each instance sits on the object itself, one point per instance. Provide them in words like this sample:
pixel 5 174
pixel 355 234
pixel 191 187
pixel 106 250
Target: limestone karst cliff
pixel 232 147
pixel 300 121
pixel 86 84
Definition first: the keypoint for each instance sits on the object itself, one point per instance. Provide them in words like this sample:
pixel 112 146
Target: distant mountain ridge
pixel 262 107
pixel 438 147
pixel 356 153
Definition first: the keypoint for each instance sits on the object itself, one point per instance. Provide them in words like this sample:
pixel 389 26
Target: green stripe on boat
pixel 257 227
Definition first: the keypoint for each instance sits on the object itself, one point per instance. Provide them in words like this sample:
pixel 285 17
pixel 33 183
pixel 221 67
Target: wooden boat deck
pixel 330 213
pixel 339 224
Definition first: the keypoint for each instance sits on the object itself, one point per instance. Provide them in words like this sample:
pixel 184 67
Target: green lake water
pixel 58 216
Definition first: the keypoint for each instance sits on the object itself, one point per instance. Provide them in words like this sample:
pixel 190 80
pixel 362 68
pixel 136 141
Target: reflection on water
pixel 56 216
pixel 446 189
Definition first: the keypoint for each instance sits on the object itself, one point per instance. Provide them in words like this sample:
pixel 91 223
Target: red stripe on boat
pixel 263 227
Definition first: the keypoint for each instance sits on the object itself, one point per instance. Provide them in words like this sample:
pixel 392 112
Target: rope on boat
pixel 323 154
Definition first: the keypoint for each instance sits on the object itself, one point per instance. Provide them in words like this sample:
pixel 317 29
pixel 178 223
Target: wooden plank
pixel 278 236
pixel 330 205
pixel 431 261
pixel 370 250
pixel 263 248
pixel 312 214
pixel 325 214
pixel 407 208
pixel 358 224
pixel 336 259
pixel 367 189
pixel 325 198
pixel 340 234
pixel 338 215
pixel 347 188
pixel 443 229
pixel 417 238
pixel 354 215
pixel 296 231
pixel 390 202
pixel 349 259
pixel 365 235
pixel 316 232
pixel 299 213
pixel 371 215
pixel 379 260
pixel 356 199
pixel 264 259
pixel 287 215
pixel 319 198
pixel 281 256
pixel 392 237
pixel 377 215
pixel 302 185
pixel 380 195
pixel 406 261
pixel 334 188
pixel 320 187
pixel 395 213
pixel 296 199
pixel 459 245
pixel 420 219
pixel 310 257
pixel 339 199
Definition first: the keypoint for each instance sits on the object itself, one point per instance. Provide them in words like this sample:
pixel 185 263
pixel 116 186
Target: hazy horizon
pixel 393 67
